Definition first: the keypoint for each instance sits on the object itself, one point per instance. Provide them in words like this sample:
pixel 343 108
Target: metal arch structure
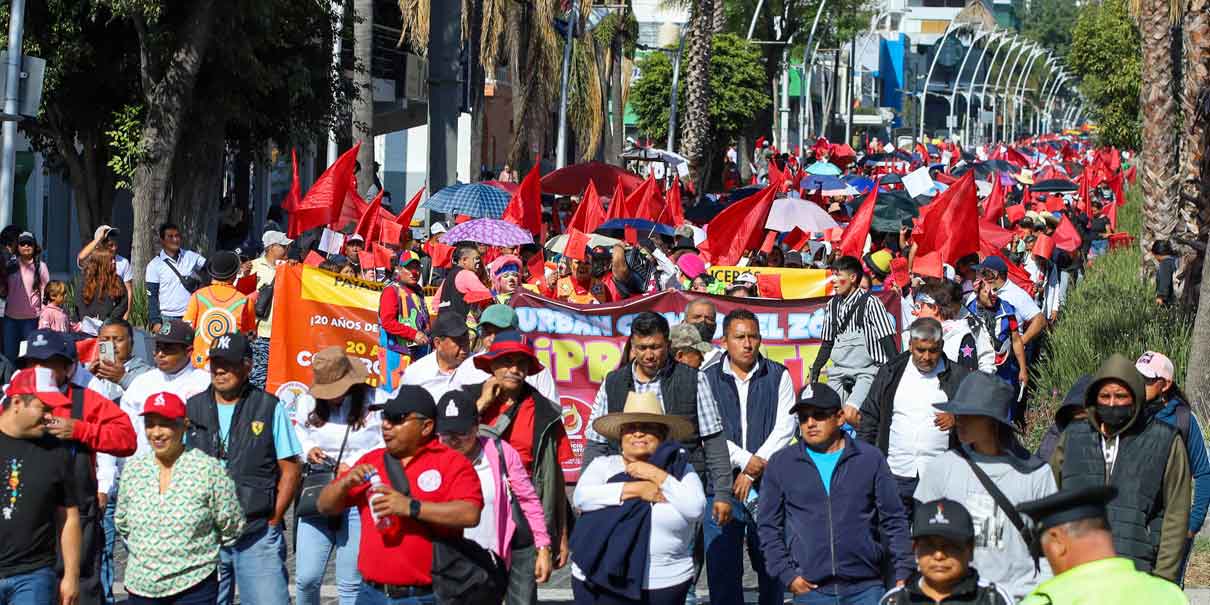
pixel 1055 70
pixel 1019 95
pixel 1047 107
pixel 1011 40
pixel 952 27
pixel 804 84
pixel 950 119
pixel 1010 91
pixel 1004 97
pixel 1019 45
pixel 999 37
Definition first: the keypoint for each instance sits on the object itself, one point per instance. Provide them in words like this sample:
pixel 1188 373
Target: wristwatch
pixel 414 509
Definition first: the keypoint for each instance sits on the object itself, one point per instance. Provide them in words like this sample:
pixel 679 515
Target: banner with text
pixel 583 343
pixel 779 282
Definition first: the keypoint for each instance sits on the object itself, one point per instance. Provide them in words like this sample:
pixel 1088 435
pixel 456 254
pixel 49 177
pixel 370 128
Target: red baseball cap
pixel 166 404
pixel 39 382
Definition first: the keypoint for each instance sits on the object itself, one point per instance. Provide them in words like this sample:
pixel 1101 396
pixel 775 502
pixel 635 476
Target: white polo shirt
pixel 173 295
pixel 1024 304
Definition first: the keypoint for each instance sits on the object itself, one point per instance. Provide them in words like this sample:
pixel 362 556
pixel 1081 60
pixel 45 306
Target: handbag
pixel 315 477
pixel 1033 540
pixel 463 572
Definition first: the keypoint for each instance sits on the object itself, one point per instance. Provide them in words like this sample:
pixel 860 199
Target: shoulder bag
pixel 315 477
pixel 1033 540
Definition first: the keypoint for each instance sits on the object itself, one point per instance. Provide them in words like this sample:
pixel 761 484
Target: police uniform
pixel 1108 581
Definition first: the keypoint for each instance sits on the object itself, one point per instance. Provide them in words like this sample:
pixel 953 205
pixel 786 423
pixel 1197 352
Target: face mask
pixel 706 329
pixel 1115 417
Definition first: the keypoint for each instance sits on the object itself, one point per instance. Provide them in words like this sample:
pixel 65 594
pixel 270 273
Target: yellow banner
pixel 332 289
pixel 794 283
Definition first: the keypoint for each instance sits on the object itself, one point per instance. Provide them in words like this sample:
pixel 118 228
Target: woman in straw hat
pixel 335 427
pixel 633 542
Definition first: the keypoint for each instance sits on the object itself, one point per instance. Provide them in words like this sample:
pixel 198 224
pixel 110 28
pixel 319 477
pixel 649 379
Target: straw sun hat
pixel 645 408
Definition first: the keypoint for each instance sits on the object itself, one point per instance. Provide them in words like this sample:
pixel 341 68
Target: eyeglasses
pixel 400 419
pixel 815 414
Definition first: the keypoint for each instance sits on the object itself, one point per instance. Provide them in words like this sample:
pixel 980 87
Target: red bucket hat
pixel 508 342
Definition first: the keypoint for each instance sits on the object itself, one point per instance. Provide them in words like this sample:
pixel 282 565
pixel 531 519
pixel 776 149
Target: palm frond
pixel 414 25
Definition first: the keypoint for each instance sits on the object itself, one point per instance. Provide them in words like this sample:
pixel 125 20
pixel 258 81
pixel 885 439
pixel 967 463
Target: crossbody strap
pixel 341 454
pixel 172 266
pixel 1006 505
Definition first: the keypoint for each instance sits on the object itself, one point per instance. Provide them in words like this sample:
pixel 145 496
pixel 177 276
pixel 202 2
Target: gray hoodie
pixel 1001 555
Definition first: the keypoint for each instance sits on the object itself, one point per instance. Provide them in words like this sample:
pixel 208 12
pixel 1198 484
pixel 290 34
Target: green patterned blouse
pixel 174 538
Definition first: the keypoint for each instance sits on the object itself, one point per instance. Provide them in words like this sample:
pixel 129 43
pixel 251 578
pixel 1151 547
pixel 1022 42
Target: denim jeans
pixel 257 565
pixel 673 595
pixel 260 362
pixel 869 596
pixel 315 542
pixel 522 586
pixel 372 596
pixel 202 593
pixel 111 538
pixel 724 558
pixel 15 331
pixel 37 587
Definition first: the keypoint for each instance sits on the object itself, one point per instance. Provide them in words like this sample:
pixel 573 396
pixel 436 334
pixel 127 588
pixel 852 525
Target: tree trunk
pixel 363 84
pixel 618 111
pixel 168 92
pixel 695 129
pixel 518 64
pixel 718 21
pixel 1195 183
pixel 1197 376
pixel 197 184
pixel 1158 158
pixel 85 156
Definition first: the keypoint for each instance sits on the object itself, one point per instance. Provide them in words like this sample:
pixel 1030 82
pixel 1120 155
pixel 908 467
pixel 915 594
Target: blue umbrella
pixel 640 225
pixel 860 183
pixel 477 200
pixel 812 182
pixel 824 168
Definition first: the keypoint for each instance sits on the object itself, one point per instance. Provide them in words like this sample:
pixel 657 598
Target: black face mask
pixel 706 329
pixel 1115 417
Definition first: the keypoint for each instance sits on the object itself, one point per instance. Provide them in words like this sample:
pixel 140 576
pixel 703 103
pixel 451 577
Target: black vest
pixel 249 452
pixel 1136 514
pixel 678 391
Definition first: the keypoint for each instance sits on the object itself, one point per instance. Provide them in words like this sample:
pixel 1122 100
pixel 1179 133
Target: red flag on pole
pixel 326 198
pixel 367 224
pixel 405 216
pixel 675 209
pixel 525 208
pixel 738 228
pixel 589 214
pixel 389 232
pixel 644 202
pixel 294 196
pixel 577 242
pixel 852 243
pixel 617 203
pixel 950 225
pixel 1066 237
pixel 993 206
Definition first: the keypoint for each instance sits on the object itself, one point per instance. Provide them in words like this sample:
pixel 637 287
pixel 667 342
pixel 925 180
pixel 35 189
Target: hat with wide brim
pixel 981 394
pixel 484 360
pixel 642 408
pixel 335 373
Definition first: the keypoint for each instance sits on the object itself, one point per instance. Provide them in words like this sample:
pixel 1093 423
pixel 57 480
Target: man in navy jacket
pixel 828 507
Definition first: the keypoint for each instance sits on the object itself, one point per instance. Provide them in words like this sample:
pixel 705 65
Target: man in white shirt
pixel 994 271
pixel 437 370
pixel 898 415
pixel 754 396
pixel 166 273
pixel 173 373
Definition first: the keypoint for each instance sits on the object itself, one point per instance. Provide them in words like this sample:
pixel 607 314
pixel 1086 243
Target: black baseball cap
pixel 456 412
pixel 231 347
pixel 42 345
pixel 409 399
pixel 944 518
pixel 449 325
pixel 816 395
pixel 174 331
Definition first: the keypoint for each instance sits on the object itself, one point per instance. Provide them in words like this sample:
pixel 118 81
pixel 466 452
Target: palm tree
pixel 695 129
pixel 1194 171
pixel 1158 92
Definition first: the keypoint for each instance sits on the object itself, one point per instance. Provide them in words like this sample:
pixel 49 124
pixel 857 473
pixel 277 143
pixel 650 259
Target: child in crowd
pixel 53 317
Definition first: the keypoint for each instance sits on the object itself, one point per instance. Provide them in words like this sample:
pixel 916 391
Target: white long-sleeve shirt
pixel 329 436
pixel 784 421
pixel 673 523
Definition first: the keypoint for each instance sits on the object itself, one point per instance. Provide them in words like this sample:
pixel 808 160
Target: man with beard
pixel 1123 446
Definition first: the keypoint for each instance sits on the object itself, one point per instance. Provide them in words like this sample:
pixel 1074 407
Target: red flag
pixel 382 256
pixel 405 216
pixel 367 224
pixel 852 243
pixel 1110 211
pixel 738 228
pixel 993 237
pixel 1017 275
pixel 577 243
pixel 1015 213
pixel 326 198
pixel 537 266
pixel 777 178
pixel 525 208
pixel 770 240
pixel 947 225
pixel 1115 183
pixel 365 258
pixel 390 232
pixel 589 214
pixel 675 210
pixel 993 206
pixel 1130 175
pixel 294 196
pixel 1083 199
pixel 796 239
pixel 1066 236
pixel 631 235
pixel 313 259
pixel 440 253
pixel 645 202
pixel 617 203
pixel 768 285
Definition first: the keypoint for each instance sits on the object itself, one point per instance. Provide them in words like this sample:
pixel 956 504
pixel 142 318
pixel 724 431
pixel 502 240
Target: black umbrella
pixel 874 158
pixel 891 209
pixel 982 170
pixel 703 212
pixel 1002 166
pixel 743 192
pixel 1054 186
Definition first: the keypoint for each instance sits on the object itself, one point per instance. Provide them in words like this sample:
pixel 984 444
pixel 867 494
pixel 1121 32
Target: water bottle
pixel 384 523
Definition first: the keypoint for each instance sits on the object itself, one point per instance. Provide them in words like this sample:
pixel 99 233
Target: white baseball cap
pixel 1155 365
pixel 437 228
pixel 270 238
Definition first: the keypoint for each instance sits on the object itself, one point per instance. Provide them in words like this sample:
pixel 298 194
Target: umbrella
pixel 651 154
pixel 843 155
pixel 1054 186
pixel 1002 166
pixel 862 184
pixel 511 188
pixel 982 170
pixel 788 213
pixel 1074 169
pixel 829 185
pixel 704 212
pixel 743 192
pixel 824 168
pixel 558 243
pixel 640 225
pixel 573 179
pixel 490 231
pixel 891 209
pixel 476 200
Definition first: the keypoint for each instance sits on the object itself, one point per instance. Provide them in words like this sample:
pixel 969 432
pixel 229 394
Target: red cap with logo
pixel 168 405
pixel 39 382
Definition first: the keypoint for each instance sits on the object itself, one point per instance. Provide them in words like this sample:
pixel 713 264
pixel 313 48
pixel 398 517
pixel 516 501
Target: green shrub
pixel 138 307
pixel 1112 310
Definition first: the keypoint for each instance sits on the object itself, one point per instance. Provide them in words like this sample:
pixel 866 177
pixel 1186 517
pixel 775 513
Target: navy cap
pixel 46 344
pixel 232 347
pixel 456 412
pixel 945 518
pixel 816 395
pixel 410 399
pixel 449 325
pixel 993 263
pixel 174 331
pixel 1067 505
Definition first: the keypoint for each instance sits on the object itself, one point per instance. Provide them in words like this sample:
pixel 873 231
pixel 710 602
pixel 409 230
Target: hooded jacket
pixel 1149 517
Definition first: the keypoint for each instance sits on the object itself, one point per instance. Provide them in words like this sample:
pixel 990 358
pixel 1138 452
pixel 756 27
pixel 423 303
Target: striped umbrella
pixel 477 200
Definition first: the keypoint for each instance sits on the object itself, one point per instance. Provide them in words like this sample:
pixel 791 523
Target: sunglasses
pixel 816 414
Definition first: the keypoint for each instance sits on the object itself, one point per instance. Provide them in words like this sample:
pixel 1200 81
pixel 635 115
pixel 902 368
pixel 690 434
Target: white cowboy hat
pixel 642 407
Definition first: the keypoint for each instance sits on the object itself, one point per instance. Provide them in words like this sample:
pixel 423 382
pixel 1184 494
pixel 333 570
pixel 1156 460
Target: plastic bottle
pixel 384 523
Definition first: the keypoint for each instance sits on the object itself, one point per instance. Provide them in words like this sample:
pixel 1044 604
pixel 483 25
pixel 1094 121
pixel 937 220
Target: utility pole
pixel 676 82
pixel 561 141
pixel 834 106
pixel 444 41
pixel 338 39
pixel 848 129
pixel 12 96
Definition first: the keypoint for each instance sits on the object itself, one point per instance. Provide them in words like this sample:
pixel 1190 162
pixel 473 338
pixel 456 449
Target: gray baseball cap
pixel 686 336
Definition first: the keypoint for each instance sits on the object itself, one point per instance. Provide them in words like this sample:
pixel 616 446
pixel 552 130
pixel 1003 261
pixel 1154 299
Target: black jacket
pixel 969 591
pixel 876 411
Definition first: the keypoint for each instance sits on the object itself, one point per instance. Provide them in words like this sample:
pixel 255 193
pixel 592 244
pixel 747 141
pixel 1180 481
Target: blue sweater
pixel 1199 463
pixel 834 540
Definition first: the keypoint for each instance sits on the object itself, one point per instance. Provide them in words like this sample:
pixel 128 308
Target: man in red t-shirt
pixel 396 562
pixel 516 412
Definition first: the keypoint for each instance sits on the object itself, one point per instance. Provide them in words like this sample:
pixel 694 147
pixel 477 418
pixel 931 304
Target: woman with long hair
pixel 101 293
pixel 27 275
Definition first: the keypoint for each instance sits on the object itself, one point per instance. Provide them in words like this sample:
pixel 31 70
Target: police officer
pixel 1076 541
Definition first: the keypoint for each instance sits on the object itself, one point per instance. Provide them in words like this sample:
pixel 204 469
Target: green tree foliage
pixel 1105 55
pixel 1049 23
pixel 737 89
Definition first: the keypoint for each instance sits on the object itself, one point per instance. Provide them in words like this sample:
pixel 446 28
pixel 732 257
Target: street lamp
pixel 950 120
pixel 936 53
